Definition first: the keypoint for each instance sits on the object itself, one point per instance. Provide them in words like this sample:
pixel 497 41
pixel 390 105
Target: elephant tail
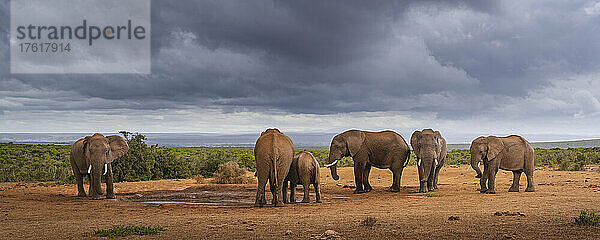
pixel 274 156
pixel 407 158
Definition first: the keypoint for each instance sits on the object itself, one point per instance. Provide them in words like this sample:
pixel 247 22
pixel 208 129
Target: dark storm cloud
pixel 332 56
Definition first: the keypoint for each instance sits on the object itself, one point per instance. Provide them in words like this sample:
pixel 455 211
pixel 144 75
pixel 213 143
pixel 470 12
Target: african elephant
pixel 430 148
pixel 92 156
pixel 512 153
pixel 304 170
pixel 274 153
pixel 385 149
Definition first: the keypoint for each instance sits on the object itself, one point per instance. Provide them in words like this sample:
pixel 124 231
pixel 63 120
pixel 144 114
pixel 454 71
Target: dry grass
pixel 231 173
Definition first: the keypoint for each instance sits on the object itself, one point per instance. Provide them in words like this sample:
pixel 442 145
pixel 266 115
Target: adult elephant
pixel 92 156
pixel 512 153
pixel 430 148
pixel 385 149
pixel 273 152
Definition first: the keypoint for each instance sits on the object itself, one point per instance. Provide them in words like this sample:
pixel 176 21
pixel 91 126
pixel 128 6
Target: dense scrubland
pixel 39 162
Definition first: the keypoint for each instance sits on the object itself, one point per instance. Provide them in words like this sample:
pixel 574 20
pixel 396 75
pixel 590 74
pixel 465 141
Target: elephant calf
pixel 305 171
pixel 512 153
pixel 430 148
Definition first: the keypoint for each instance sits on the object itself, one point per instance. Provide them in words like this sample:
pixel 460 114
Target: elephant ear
pixel 414 139
pixel 495 146
pixel 354 139
pixel 118 147
pixel 440 140
pixel 84 145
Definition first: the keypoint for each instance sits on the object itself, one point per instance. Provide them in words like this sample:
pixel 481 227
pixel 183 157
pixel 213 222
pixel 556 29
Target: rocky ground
pixel 188 210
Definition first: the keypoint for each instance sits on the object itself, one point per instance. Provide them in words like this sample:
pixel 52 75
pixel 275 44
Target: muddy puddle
pixel 204 195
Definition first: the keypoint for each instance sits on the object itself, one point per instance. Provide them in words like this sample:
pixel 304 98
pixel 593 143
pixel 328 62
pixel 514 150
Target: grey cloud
pixel 454 59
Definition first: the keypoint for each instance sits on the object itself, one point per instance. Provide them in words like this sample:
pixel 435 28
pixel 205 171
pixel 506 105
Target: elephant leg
pixel 530 185
pixel 110 192
pixel 397 169
pixel 515 183
pixel 284 191
pixel 492 181
pixel 273 190
pixel 260 192
pixel 358 175
pixel 435 177
pixel 79 179
pixel 293 192
pixel 306 187
pixel 95 184
pixel 279 186
pixel 483 180
pixel 431 178
pixel 317 191
pixel 366 184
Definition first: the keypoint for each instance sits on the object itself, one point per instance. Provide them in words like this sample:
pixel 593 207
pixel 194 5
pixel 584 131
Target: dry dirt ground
pixel 49 211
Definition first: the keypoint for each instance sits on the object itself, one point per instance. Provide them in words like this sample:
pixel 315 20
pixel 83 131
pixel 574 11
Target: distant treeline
pixel 37 162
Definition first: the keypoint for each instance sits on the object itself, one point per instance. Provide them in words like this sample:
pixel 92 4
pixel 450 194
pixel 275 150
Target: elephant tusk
pixel 105 168
pixel 419 162
pixel 333 163
pixel 90 169
pixel 436 162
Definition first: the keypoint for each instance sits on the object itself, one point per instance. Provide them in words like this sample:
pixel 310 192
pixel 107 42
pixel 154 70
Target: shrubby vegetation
pixel 231 173
pixel 589 218
pixel 123 231
pixel 38 162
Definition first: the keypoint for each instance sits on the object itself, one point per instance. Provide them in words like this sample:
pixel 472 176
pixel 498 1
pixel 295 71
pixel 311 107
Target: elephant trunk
pixel 333 167
pixel 475 166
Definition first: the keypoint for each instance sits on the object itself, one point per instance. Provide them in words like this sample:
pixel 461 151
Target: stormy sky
pixel 466 68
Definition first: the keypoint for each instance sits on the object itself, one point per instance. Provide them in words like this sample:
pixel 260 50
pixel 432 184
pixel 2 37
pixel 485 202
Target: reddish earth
pixel 46 210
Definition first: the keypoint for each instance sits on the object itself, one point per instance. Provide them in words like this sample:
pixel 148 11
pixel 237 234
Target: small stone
pixel 330 233
pixel 249 228
pixel 453 218
pixel 288 232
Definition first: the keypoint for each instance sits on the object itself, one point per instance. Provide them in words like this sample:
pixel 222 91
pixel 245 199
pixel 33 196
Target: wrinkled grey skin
pixel 274 153
pixel 430 148
pixel 385 149
pixel 305 171
pixel 92 156
pixel 512 153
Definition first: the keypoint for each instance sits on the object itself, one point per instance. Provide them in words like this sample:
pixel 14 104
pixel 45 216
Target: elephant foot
pixel 478 176
pixel 483 190
pixel 490 192
pixel 81 195
pixel 513 189
pixel 359 191
pixel 530 189
pixel 278 204
pixel 422 190
pixel 318 201
pixel 110 196
pixel 258 205
pixel 368 189
pixel 305 201
pixel 394 189
pixel 96 198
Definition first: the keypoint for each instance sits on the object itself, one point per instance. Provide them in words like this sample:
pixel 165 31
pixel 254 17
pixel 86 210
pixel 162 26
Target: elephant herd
pixel 277 164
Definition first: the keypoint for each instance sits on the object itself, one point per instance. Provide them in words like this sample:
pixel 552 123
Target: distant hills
pixel 301 140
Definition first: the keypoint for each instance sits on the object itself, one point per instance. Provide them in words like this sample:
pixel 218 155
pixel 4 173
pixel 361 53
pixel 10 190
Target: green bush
pixel 122 231
pixel 590 218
